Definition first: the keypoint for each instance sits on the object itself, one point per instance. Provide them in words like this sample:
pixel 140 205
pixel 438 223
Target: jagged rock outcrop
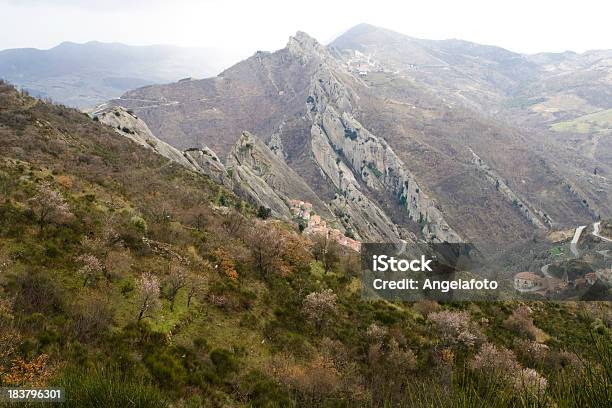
pixel 208 163
pixel 126 123
pixel 262 176
pixel 355 159
pixel 352 207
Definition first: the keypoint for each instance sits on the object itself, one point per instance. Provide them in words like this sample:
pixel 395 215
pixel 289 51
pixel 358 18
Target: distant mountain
pixel 83 75
pixel 562 100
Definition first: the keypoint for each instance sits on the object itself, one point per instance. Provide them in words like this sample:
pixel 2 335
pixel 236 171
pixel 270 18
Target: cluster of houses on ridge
pixel 362 64
pixel 314 224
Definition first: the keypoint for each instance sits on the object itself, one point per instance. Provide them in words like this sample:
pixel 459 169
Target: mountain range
pixel 403 138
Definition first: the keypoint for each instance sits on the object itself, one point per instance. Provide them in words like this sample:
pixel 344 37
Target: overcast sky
pixel 243 27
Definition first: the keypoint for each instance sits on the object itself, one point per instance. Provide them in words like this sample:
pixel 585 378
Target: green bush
pixel 264 212
pixel 166 368
pixel 224 361
pixel 139 223
pixel 263 392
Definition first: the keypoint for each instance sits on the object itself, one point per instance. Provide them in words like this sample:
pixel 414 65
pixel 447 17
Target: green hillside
pixel 598 122
pixel 132 282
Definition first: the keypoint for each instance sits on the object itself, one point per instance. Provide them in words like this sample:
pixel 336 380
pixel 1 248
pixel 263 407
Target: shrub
pixel 426 306
pixel 521 323
pixel 224 361
pixel 530 383
pixel 166 368
pixel 318 306
pixel 92 316
pixel 117 263
pixel 350 133
pixel 376 333
pixel 494 361
pixel 455 327
pixel 263 392
pixel 532 353
pixel 316 379
pixel 264 212
pixel 139 223
pixel 38 293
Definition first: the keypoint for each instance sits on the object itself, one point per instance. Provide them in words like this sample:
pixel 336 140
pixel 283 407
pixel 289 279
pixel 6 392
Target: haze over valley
pixel 84 75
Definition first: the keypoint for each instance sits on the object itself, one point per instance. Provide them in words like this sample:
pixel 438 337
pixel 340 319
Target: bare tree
pixel 266 248
pixel 455 327
pixel 326 251
pixel 176 281
pixel 148 288
pixel 234 222
pixel 194 286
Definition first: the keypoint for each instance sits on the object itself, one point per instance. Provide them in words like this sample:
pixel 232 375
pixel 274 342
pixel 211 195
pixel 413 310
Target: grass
pixel 591 387
pixel 594 387
pixel 598 122
pixel 108 388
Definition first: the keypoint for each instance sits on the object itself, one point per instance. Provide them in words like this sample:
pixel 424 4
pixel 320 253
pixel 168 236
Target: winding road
pixel 574 244
pixel 596 228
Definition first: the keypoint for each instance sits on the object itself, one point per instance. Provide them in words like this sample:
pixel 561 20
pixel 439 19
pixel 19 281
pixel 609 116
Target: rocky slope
pixel 207 162
pixel 264 178
pixel 126 123
pixel 386 147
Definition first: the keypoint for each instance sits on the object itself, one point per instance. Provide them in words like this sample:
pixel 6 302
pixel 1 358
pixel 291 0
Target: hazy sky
pixel 247 26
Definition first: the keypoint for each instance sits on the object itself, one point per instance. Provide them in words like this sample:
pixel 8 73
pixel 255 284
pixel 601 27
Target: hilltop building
pixel 317 225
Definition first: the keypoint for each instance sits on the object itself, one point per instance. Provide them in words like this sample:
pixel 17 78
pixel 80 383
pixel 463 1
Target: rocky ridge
pixel 354 159
pixel 266 179
pixel 539 219
pixel 209 163
pixel 126 123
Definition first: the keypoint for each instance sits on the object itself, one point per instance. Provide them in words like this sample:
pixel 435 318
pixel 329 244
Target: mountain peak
pixel 303 44
pixel 363 27
pixel 303 37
